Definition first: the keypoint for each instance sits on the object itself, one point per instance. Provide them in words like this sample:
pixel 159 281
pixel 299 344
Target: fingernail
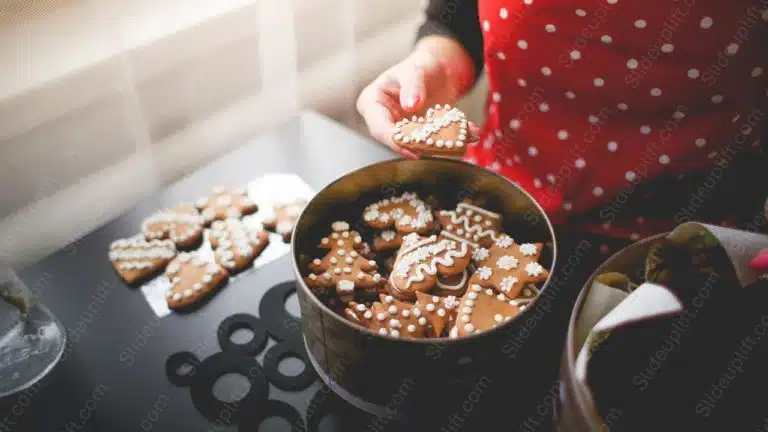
pixel 412 100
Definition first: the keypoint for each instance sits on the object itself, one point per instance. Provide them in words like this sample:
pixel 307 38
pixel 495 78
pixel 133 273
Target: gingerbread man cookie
pixel 442 131
pixel 343 267
pixel 438 311
pixel 284 218
pixel 508 267
pixel 474 224
pixel 406 213
pixel 421 260
pixel 482 309
pixel 182 224
pixel 192 279
pixel 136 258
pixel 387 240
pixel 237 244
pixel 226 204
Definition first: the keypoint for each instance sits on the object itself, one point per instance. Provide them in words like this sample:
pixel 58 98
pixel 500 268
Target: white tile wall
pixel 104 101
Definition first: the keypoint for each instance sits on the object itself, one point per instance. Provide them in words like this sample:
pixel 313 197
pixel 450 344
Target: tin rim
pixel 300 279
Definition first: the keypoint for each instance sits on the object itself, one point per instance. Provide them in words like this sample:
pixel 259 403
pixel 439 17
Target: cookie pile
pixel 430 273
pixel 171 238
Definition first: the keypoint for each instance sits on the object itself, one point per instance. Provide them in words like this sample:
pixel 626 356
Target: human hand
pixel 412 86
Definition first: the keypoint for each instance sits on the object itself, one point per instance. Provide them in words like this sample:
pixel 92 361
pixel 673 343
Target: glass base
pixel 30 350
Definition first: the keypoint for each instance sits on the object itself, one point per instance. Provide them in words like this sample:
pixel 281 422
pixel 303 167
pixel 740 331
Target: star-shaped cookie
pixel 508 267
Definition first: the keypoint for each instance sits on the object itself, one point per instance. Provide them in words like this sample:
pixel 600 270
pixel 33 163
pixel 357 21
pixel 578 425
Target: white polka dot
pixel 575 54
pixel 528 2
pixel 612 146
pixel 546 71
pixel 693 73
pixel 632 63
pixel 606 39
pixel 599 82
pixel 486 25
pixel 717 99
pixel 496 96
pixel 522 44
pixel 678 115
pixel 732 49
pixel 551 178
pixel 581 12
pixel 562 134
pixel 700 142
pixel 645 129
pixel 550 28
pixel 517 159
pixel 756 72
pixel 622 106
pixel 570 95
pixel 544 107
pixel 667 48
pixel 521 82
pixel 503 13
pixel 567 206
pixel 634 236
pixel 655 91
pixel 630 176
pixel 533 151
pixel 611 1
pixel 537 183
pixel 640 23
pixel 597 191
pixel 514 124
pixel 706 22
pixel 592 119
pixel 580 163
pixel 501 56
pixel 663 159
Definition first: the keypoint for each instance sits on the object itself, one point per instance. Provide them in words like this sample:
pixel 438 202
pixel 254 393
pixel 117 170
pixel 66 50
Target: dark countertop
pixel 112 376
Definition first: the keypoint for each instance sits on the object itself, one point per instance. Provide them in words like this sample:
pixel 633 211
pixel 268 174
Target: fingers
pixel 413 76
pixel 379 111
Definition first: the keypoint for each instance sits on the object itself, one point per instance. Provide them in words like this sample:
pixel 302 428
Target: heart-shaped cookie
pixel 237 244
pixel 508 267
pixel 482 309
pixel 136 259
pixel 406 213
pixel 225 204
pixel 421 260
pixel 442 131
pixel 192 279
pixel 284 218
pixel 472 223
pixel 182 224
pixel 343 267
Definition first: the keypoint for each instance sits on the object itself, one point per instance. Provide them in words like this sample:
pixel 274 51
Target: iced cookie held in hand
pixel 237 244
pixel 136 258
pixel 443 131
pixel 225 204
pixel 343 268
pixel 192 279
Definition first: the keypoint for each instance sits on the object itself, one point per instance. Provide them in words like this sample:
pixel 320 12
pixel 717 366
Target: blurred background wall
pixel 103 102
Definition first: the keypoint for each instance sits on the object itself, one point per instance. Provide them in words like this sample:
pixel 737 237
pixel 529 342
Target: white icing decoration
pixel 388 235
pixel 480 254
pixel 504 241
pixel 468 226
pixel 441 252
pixel 507 262
pixel 484 273
pixel 345 286
pixel 534 269
pixel 528 249
pixel 470 207
pixel 507 283
pixel 340 226
pixel 456 287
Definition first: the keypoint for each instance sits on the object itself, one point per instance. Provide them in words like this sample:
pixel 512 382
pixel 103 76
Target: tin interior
pixel 447 181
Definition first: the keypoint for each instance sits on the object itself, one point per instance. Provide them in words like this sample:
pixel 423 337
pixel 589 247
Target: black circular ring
pixel 281 325
pixel 176 361
pixel 285 382
pixel 211 369
pixel 273 408
pixel 238 322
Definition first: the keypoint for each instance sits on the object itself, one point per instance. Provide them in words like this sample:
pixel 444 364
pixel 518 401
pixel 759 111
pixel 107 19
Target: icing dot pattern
pixel 182 224
pixel 225 204
pixel 474 224
pixel 284 218
pixel 407 213
pixel 481 309
pixel 443 130
pixel 237 243
pixel 192 279
pixel 136 258
pixel 509 267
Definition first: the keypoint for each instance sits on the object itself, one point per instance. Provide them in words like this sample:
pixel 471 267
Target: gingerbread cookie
pixel 438 311
pixel 387 240
pixel 442 131
pixel 508 267
pixel 182 224
pixel 482 309
pixel 421 260
pixel 136 258
pixel 237 244
pixel 192 279
pixel 343 267
pixel 226 204
pixel 390 317
pixel 284 218
pixel 406 213
pixel 472 223
pixel 453 285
